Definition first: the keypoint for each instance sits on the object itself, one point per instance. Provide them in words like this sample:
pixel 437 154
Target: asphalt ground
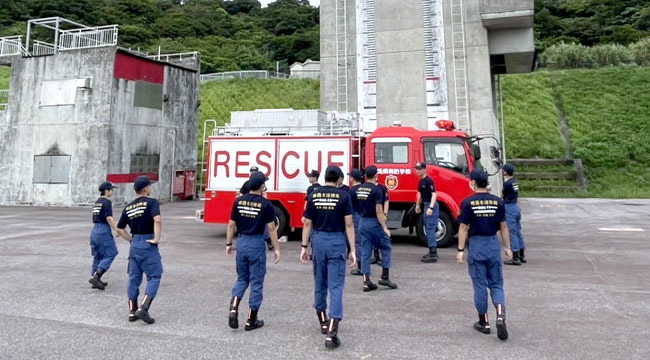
pixel 584 294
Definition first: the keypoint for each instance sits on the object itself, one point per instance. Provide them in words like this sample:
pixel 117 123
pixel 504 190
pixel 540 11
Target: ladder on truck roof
pixel 341 55
pixel 459 53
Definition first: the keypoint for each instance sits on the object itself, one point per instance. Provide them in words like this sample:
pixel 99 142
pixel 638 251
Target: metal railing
pixel 175 57
pixel 88 38
pixel 11 46
pixel 244 74
pixel 40 48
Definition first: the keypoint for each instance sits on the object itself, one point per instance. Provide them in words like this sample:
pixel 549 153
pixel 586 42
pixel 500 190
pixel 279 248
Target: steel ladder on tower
pixel 459 53
pixel 341 56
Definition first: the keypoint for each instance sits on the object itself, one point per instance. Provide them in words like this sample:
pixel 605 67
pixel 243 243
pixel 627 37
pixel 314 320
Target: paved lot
pixel 585 294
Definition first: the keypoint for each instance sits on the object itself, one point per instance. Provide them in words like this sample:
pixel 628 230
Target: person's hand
pixel 276 253
pixel 459 257
pixel 153 241
pixel 429 212
pixel 508 254
pixel 417 209
pixel 304 256
pixel 229 250
pixel 352 258
pixel 387 231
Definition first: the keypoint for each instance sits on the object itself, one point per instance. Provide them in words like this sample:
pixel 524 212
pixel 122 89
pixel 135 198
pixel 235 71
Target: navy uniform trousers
pixel 143 258
pixel 373 237
pixel 485 268
pixel 431 224
pixel 251 268
pixel 329 255
pixel 513 220
pixel 102 247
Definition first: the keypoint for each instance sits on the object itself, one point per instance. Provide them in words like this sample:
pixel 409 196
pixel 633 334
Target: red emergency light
pixel 445 125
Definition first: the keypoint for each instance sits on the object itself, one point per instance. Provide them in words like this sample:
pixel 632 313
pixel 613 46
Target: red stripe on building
pixel 133 68
pixel 128 178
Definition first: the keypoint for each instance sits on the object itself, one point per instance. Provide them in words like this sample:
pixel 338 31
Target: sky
pixel 312 2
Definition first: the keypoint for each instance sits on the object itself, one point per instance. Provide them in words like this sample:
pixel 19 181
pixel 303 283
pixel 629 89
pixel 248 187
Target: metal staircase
pixel 460 65
pixel 341 56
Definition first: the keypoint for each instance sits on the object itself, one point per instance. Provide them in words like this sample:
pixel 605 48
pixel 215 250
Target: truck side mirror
pixel 476 152
pixel 496 156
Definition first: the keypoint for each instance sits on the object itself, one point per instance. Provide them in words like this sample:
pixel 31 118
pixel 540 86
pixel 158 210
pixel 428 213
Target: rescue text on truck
pixel 286 159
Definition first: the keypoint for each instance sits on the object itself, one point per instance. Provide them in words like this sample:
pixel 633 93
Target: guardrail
pixel 244 74
pixel 88 38
pixel 174 57
pixel 11 45
pixel 40 48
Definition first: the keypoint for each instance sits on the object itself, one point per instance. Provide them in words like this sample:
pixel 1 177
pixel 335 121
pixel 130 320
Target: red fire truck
pixel 286 155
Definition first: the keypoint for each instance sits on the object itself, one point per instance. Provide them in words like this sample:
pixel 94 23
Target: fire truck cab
pixel 286 155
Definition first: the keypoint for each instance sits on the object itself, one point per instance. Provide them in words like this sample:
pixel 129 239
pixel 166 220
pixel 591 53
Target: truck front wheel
pixel 444 233
pixel 280 220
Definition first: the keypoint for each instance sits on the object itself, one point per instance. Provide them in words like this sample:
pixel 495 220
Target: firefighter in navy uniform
pixel 142 215
pixel 357 179
pixel 329 213
pixel 245 189
pixel 482 215
pixel 339 183
pixel 376 259
pixel 250 215
pixel 373 230
pixel 313 181
pixel 102 244
pixel 427 203
pixel 513 215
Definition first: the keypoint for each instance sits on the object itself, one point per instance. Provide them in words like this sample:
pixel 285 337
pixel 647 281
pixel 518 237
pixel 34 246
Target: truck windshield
pixel 448 154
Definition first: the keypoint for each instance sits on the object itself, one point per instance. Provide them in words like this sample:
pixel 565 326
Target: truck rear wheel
pixel 280 220
pixel 444 233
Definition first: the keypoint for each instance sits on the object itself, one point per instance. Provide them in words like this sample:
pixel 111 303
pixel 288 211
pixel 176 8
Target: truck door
pixel 450 168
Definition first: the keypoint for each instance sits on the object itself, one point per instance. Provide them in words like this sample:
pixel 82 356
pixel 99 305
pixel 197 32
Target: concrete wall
pixel 100 130
pixel 79 129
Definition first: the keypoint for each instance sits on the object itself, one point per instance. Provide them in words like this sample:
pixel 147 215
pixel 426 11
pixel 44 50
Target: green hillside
pixel 607 115
pixel 4 77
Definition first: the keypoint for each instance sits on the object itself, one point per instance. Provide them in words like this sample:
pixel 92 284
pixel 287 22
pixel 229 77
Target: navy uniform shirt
pixel 311 188
pixel 369 195
pixel 353 197
pixel 327 207
pixel 246 188
pixel 139 214
pixel 345 188
pixel 384 193
pixel 426 188
pixel 102 208
pixel 511 191
pixel 483 213
pixel 251 213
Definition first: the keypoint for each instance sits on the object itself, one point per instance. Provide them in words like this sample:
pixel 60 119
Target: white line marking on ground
pixel 622 229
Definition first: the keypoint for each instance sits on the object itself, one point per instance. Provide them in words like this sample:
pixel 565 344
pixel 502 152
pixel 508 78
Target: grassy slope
pixel 607 113
pixel 4 77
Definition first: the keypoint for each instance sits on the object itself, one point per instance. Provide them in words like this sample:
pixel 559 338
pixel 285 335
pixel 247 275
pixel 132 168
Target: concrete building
pixel 79 113
pixel 418 61
pixel 309 69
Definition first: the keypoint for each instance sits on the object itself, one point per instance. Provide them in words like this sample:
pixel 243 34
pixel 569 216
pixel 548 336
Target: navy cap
pixel 333 172
pixel 420 166
pixel 480 176
pixel 141 182
pixel 254 168
pixel 341 174
pixel 314 174
pixel 356 174
pixel 106 186
pixel 371 171
pixel 509 169
pixel 257 179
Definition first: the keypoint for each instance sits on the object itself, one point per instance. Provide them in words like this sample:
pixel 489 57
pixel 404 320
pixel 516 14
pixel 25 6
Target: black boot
pixel 143 311
pixel 357 271
pixel 367 284
pixel 96 280
pixel 252 322
pixel 385 280
pixel 322 319
pixel 133 307
pixel 431 257
pixel 522 257
pixel 233 316
pixel 502 331
pixel 482 325
pixel 332 340
pixel 515 259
